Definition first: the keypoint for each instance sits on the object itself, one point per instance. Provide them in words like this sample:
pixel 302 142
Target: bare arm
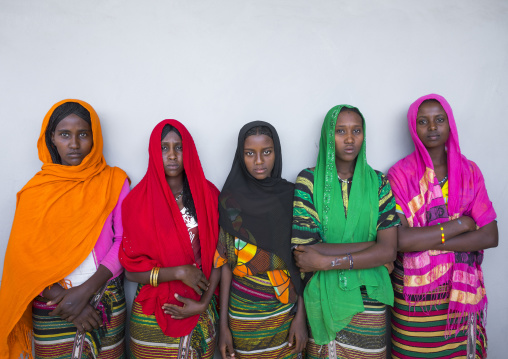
pixel 337 249
pixel 461 235
pixel 383 250
pixel 188 274
pixel 225 338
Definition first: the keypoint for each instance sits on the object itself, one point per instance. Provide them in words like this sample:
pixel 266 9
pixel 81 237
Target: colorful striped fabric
pixel 148 341
pixel 362 338
pixel 54 337
pixel 419 331
pixel 260 328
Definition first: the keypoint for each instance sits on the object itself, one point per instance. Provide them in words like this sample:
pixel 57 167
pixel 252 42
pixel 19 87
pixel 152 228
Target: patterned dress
pixel 364 337
pixel 261 303
pixel 420 331
pixel 149 341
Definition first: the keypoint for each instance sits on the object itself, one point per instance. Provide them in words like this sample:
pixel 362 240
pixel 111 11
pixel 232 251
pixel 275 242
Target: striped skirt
pixel 259 323
pixel 363 338
pixel 148 340
pixel 419 332
pixel 54 337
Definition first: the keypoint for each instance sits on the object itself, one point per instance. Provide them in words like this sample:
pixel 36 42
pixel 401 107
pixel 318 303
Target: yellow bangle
pixel 442 233
pixel 156 277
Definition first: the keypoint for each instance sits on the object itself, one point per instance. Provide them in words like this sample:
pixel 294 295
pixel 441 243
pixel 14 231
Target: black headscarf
pixel 260 212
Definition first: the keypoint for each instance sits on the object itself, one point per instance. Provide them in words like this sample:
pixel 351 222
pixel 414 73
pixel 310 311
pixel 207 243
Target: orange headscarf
pixel 59 216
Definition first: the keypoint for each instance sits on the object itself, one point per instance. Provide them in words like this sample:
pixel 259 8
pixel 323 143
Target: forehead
pixel 347 117
pixel 258 140
pixel 172 136
pixel 72 121
pixel 431 107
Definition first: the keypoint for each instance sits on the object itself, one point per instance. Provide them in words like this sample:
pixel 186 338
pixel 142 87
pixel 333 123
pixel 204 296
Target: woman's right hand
pixel 468 222
pixel 87 320
pixel 193 277
pixel 226 343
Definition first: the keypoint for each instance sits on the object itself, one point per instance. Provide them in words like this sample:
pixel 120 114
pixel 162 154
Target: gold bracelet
pixel 156 277
pixel 151 276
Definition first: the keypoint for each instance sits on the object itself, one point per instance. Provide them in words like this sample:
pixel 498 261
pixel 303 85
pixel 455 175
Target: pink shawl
pixel 418 192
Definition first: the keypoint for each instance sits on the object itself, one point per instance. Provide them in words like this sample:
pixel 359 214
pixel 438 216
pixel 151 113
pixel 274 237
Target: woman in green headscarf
pixel 343 235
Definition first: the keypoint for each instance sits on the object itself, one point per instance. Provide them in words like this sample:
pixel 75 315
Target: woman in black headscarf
pixel 260 286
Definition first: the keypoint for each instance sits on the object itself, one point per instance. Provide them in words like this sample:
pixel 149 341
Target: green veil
pixel 333 297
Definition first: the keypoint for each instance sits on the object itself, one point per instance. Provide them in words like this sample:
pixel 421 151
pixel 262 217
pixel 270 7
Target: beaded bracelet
pixel 442 233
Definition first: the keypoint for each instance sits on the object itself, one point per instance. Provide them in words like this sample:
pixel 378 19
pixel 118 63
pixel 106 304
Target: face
pixel 172 155
pixel 73 140
pixel 348 136
pixel 259 156
pixel 432 124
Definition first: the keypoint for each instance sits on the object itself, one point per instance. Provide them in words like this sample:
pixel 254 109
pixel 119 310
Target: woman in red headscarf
pixel 170 234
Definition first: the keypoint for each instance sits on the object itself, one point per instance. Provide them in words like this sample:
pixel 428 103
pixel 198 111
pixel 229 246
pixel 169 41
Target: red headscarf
pixel 155 234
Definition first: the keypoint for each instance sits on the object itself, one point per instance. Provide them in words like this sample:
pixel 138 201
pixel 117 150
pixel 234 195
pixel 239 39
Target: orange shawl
pixel 59 216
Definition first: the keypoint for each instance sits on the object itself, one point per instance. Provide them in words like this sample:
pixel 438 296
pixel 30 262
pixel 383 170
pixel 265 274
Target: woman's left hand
pixel 298 335
pixel 190 308
pixel 309 260
pixel 71 303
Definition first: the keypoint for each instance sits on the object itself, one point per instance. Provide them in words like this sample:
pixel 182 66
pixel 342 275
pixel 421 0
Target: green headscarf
pixel 333 297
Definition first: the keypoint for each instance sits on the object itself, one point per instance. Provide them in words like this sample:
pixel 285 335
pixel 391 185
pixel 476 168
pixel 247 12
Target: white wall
pixel 215 65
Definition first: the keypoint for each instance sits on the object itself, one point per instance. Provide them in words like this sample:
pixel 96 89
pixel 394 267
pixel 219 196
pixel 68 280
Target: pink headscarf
pixel 417 191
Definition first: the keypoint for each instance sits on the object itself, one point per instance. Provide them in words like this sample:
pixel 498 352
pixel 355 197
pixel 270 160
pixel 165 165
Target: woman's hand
pixel 190 307
pixel 298 335
pixel 87 320
pixel 390 266
pixel 468 222
pixel 71 303
pixel 193 277
pixel 309 260
pixel 226 343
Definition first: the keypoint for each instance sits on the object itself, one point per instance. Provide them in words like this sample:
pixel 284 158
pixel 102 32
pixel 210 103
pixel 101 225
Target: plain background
pixel 215 65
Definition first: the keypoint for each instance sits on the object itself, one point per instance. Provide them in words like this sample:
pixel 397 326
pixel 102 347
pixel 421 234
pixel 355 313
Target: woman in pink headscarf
pixel 447 222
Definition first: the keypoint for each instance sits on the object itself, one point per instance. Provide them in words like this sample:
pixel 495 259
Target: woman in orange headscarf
pixel 60 280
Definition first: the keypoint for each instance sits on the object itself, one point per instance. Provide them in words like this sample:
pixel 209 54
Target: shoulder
pixel 382 178
pixel 306 175
pixel 213 188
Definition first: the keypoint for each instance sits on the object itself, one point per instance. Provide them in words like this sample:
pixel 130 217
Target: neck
pixel 345 169
pixel 175 184
pixel 438 156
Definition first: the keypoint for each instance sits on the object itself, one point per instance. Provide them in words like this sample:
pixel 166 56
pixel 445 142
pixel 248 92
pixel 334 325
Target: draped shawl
pixel 155 234
pixel 333 297
pixel 260 211
pixel 59 216
pixel 417 191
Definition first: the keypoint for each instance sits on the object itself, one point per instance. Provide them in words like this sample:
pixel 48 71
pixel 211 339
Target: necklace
pixel 443 180
pixel 348 181
pixel 178 197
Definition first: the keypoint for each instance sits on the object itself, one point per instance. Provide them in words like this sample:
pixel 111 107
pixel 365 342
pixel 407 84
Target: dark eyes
pixel 177 148
pixel 250 153
pixel 341 131
pixel 81 134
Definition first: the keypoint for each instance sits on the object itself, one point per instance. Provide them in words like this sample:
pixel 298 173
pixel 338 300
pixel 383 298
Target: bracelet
pixel 350 260
pixel 154 276
pixel 442 233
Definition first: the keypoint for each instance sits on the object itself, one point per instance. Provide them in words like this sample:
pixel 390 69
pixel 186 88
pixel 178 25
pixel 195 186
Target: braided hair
pixel 188 202
pixel 61 112
pixel 259 130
